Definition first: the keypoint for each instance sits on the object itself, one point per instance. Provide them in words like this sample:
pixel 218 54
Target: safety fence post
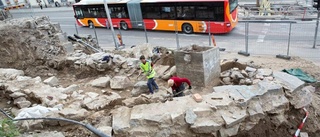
pixel 246 53
pixel 177 35
pixel 75 25
pixel 145 32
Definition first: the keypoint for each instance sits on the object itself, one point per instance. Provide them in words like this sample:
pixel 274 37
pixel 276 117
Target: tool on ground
pixel 88 126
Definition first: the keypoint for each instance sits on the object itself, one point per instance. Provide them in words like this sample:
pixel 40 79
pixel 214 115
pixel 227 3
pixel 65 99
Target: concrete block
pixel 203 67
pixel 68 47
pixel 290 82
pixel 197 97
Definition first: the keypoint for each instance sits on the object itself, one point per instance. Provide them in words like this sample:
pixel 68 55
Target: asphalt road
pixel 263 38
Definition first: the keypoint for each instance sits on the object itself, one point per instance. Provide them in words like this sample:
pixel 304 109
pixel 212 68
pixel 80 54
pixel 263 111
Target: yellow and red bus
pixel 188 16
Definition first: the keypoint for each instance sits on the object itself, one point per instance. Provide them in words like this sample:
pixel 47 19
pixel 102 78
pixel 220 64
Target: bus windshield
pixel 233 4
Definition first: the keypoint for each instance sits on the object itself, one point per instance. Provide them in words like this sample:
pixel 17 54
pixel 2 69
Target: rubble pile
pixel 247 76
pixel 30 42
pixel 117 101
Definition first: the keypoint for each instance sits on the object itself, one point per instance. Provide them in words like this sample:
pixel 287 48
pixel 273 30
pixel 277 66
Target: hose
pixel 87 126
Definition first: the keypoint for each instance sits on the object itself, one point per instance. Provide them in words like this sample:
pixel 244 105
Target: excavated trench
pixel 49 58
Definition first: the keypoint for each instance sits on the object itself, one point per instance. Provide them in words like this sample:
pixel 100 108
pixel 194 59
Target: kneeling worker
pixel 177 85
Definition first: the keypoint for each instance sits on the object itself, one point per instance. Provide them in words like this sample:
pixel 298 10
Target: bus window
pixel 204 13
pixel 118 12
pixel 167 12
pixel 188 12
pixel 150 11
pixel 233 5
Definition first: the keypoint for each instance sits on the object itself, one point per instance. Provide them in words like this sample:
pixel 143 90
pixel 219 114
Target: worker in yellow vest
pixel 147 69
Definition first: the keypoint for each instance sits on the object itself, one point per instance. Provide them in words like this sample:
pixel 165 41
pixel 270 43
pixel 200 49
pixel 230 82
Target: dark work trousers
pixel 152 84
pixel 181 88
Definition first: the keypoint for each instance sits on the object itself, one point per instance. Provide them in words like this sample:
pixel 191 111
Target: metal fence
pixel 288 38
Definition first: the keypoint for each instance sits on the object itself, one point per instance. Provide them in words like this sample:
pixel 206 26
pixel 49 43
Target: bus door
pixel 78 13
pixel 135 14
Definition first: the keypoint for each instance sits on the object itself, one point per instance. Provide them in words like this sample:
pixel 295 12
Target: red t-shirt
pixel 178 81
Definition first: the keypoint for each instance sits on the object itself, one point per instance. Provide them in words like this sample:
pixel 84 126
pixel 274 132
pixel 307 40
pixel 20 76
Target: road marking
pixel 61 18
pixel 67 26
pixel 264 31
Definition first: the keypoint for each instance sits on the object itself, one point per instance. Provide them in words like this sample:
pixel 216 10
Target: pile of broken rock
pixel 247 76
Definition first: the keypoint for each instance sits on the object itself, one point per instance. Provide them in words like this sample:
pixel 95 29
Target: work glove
pixel 190 87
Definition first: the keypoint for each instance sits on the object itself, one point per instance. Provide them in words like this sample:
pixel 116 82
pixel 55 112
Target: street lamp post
pixel 111 25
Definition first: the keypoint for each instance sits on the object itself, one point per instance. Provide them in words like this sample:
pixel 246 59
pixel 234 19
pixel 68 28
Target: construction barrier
pixel 302 123
pixel 14 7
pixel 213 40
pixel 120 40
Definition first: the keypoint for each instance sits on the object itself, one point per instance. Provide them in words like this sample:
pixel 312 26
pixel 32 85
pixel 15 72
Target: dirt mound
pixel 31 42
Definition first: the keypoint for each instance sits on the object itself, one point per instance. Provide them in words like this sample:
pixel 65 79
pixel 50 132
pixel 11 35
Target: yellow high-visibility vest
pixel 147 68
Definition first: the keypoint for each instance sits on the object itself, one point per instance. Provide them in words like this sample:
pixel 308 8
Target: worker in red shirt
pixel 177 85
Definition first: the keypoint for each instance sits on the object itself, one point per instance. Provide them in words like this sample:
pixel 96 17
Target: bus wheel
pixel 124 25
pixel 187 28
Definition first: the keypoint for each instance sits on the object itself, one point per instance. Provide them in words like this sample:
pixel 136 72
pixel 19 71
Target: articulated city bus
pixel 188 16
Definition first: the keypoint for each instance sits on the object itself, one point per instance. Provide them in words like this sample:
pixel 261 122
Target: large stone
pixel 255 110
pixel 265 72
pixel 225 74
pixel 250 69
pixel 133 62
pixel 236 92
pixel 205 125
pixel 161 69
pixel 144 49
pixel 44 134
pixel 290 82
pixel 170 73
pixel 228 132
pixel 100 102
pixel 190 116
pixel 47 95
pixel 101 82
pixel 74 114
pixel 130 102
pixel 274 102
pixel 301 98
pixel 23 104
pixel 121 120
pixel 15 101
pixel 233 116
pixel 17 95
pixel 120 82
pixel 106 130
pixel 304 134
pixel 70 89
pixel 139 88
pixel 10 72
pixel 218 99
pixel 52 81
pixel 236 75
pixel 119 60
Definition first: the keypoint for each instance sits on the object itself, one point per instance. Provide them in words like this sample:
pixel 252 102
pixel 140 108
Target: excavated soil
pixel 24 50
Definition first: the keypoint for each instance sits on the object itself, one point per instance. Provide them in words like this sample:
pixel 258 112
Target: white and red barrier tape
pixel 302 123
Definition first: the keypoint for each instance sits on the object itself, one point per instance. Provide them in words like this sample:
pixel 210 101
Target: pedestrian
pixel 147 68
pixel 177 85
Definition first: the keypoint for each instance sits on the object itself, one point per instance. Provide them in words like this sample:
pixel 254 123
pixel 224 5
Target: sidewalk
pixel 39 10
